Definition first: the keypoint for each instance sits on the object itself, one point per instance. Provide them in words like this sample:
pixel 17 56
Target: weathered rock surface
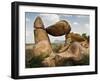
pixel 38 23
pixel 75 52
pixel 49 61
pixel 40 35
pixel 74 37
pixel 60 28
pixel 42 46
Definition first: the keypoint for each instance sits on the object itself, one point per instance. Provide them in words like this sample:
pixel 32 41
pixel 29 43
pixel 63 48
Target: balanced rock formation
pixel 60 28
pixel 74 49
pixel 42 46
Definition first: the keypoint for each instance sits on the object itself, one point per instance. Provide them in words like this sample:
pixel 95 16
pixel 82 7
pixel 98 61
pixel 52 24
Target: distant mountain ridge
pixel 59 41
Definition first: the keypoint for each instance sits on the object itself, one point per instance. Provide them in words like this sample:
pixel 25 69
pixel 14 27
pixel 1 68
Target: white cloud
pixel 68 15
pixel 82 16
pixel 49 19
pixel 81 28
pixel 28 33
pixel 27 19
pixel 87 25
pixel 75 23
pixel 29 36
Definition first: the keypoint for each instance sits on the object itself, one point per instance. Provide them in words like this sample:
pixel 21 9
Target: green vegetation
pixel 84 61
pixel 34 62
pixel 56 47
pixel 84 35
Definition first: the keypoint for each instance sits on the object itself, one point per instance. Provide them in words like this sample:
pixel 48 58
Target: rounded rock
pixel 60 28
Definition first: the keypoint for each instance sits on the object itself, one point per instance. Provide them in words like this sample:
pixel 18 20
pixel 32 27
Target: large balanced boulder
pixel 60 28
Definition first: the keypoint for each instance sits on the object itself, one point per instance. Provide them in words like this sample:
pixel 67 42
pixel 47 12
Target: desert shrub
pixel 84 61
pixel 56 47
pixel 28 56
pixel 34 61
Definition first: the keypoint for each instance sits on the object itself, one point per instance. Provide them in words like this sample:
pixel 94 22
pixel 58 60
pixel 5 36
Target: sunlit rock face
pixel 74 37
pixel 42 43
pixel 75 53
pixel 60 28
pixel 49 62
pixel 40 35
pixel 38 23
pixel 42 49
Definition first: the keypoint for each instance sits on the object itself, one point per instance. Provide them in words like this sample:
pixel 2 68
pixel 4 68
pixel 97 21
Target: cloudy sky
pixel 79 23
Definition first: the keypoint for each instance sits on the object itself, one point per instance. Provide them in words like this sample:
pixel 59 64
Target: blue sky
pixel 79 23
